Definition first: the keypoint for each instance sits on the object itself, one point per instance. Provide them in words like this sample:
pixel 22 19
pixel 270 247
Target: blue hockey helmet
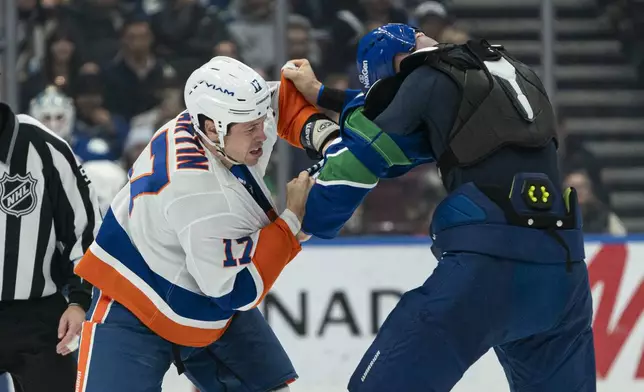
pixel 377 49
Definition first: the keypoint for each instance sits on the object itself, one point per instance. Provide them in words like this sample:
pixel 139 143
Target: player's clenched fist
pixel 297 191
pixel 299 71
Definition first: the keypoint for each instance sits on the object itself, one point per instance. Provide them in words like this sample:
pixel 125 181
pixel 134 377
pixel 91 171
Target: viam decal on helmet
pixel 214 87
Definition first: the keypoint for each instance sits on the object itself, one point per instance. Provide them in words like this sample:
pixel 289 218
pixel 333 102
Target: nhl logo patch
pixel 17 194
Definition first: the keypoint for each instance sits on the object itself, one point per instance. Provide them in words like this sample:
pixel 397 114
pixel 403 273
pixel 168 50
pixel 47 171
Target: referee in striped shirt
pixel 48 218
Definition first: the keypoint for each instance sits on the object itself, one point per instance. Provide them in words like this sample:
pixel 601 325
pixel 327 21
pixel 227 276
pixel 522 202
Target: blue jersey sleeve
pixel 353 164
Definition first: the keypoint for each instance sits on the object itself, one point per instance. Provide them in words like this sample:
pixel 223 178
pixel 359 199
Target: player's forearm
pixel 329 208
pixel 339 189
pixel 300 123
pixel 335 99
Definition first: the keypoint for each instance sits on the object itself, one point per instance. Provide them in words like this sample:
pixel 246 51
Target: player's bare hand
pixel 69 329
pixel 303 78
pixel 297 192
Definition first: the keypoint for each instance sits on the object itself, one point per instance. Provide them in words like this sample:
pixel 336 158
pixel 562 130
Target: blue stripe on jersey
pixel 246 178
pixel 185 139
pixel 328 208
pixel 185 117
pixel 113 239
pixel 192 162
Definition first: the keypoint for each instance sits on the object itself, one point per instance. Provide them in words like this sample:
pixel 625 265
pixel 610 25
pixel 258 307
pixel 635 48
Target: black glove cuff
pixel 331 99
pixel 81 298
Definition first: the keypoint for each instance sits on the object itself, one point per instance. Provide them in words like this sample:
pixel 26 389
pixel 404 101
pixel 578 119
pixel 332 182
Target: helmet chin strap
pixel 229 159
pixel 216 145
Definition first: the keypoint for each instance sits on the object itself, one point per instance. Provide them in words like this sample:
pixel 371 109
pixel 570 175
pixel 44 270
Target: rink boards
pixel 329 302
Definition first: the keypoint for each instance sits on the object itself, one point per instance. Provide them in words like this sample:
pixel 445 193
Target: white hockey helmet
pixel 225 91
pixel 55 110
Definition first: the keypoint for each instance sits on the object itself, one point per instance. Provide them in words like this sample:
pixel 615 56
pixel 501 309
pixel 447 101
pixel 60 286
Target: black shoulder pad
pixel 381 94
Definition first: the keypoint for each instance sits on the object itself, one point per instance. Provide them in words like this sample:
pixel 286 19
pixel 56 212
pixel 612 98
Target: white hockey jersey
pixel 184 244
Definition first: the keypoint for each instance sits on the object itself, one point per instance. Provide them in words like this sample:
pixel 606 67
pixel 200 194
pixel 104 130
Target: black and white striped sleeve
pixel 76 213
pixel 75 209
pixel 79 201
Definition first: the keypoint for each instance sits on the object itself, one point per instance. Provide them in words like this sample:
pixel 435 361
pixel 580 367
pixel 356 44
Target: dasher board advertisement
pixel 329 302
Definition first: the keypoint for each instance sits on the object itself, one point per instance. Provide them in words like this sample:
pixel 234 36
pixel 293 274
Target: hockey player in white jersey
pixel 190 246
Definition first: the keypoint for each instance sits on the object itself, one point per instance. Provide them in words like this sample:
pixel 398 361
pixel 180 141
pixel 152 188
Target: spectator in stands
pixel 253 29
pixel 59 68
pixel 573 156
pixel 136 76
pixel 227 48
pixel 219 3
pixel 29 35
pixel 598 218
pixel 433 20
pixel 627 17
pixel 313 10
pixel 187 34
pixel 300 44
pixel 96 24
pixel 319 12
pixel 98 134
pixel 351 23
pixel 171 104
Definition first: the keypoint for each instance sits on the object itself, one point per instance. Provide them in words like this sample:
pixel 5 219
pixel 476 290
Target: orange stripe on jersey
pixel 116 286
pixel 102 307
pixel 276 247
pixel 293 111
pixel 87 337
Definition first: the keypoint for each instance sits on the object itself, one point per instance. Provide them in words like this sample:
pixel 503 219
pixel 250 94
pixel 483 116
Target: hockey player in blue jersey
pixel 511 274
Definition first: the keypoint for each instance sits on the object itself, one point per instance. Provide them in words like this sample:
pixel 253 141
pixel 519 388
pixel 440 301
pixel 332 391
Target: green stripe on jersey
pixel 347 169
pixel 379 140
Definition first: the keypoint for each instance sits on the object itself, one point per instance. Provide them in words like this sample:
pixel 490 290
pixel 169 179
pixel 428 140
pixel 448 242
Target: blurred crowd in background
pixel 116 68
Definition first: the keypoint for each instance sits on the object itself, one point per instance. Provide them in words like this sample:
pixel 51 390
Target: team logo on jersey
pixel 18 194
